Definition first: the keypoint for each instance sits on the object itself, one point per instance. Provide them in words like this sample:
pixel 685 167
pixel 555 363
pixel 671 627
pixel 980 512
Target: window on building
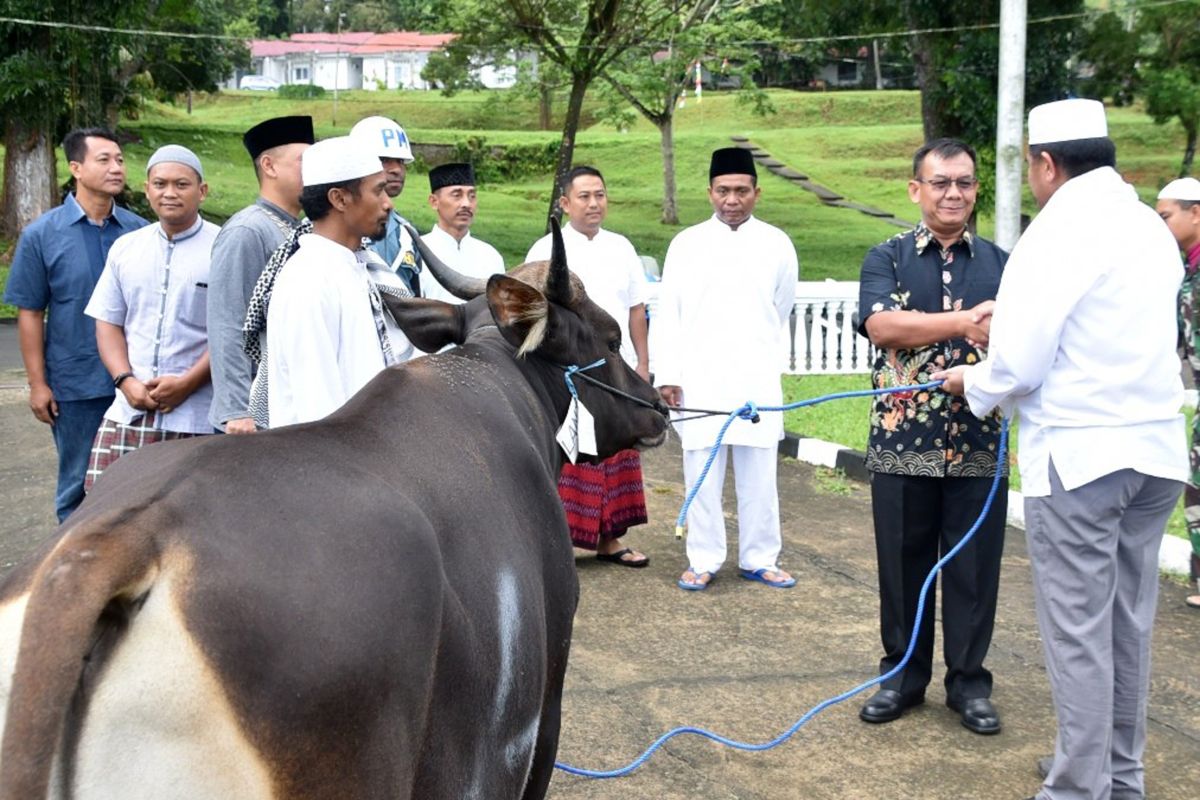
pixel 299 74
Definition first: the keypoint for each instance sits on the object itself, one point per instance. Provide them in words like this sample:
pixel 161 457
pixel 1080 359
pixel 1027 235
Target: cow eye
pixel 614 346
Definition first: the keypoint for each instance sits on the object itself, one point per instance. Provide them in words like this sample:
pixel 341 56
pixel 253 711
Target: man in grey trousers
pixel 239 254
pixel 1083 348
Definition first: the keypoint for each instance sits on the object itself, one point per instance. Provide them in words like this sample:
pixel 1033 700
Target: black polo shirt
pixel 928 433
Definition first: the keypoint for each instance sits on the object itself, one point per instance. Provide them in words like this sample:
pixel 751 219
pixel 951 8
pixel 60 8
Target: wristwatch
pixel 117 380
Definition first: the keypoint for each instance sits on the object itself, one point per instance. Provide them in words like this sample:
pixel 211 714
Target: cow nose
pixel 662 408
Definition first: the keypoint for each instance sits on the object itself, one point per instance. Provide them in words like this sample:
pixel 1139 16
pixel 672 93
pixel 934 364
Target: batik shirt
pixel 928 433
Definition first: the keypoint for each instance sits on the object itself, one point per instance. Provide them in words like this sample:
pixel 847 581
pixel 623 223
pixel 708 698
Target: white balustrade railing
pixel 821 327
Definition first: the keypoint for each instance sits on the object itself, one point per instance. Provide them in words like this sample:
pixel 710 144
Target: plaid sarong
pixel 114 440
pixel 604 499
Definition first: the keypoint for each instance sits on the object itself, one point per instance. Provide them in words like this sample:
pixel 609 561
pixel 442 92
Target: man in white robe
pixel 452 195
pixel 325 338
pixel 719 336
pixel 1083 348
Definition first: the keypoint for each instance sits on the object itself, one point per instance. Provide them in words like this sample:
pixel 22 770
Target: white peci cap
pixel 1187 189
pixel 1066 121
pixel 383 137
pixel 175 154
pixel 335 160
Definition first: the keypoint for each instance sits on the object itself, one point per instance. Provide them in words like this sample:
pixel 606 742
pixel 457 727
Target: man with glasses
pixel 925 301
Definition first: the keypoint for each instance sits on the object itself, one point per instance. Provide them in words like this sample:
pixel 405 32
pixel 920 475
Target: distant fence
pixel 821 326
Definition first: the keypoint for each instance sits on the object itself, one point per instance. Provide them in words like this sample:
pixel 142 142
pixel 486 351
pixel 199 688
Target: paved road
pixel 10 353
pixel 747 661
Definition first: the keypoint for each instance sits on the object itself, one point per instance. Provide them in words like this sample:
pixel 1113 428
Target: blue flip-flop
pixel 760 576
pixel 696 586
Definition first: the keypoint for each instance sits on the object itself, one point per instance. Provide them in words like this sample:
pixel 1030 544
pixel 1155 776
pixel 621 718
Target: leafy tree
pixel 652 78
pixel 54 79
pixel 1170 72
pixel 1109 51
pixel 957 72
pixel 581 38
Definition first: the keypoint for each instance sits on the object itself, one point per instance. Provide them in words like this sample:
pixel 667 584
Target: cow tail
pixel 88 570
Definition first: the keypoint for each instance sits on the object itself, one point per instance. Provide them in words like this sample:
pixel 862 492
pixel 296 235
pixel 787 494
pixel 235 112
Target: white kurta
pixel 611 272
pixel 322 343
pixel 470 257
pixel 156 290
pixel 1083 340
pixel 719 330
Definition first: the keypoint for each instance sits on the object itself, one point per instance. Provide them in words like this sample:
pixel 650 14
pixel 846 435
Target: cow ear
pixel 522 313
pixel 429 324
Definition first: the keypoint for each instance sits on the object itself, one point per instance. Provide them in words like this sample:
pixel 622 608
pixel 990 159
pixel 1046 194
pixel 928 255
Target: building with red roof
pixel 355 60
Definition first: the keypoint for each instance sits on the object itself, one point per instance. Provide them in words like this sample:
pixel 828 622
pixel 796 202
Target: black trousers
pixel 918 520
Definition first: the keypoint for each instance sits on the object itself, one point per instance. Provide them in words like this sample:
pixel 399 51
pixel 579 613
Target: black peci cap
pixel 277 131
pixel 451 175
pixel 731 161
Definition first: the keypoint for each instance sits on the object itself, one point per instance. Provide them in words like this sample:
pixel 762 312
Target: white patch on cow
pixel 159 724
pixel 518 751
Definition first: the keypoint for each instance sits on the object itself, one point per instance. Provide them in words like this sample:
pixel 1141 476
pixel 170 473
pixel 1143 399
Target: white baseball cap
pixel 335 160
pixel 1187 189
pixel 383 137
pixel 1067 121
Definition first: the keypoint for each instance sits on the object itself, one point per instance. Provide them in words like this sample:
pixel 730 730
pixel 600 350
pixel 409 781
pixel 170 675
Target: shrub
pixel 301 91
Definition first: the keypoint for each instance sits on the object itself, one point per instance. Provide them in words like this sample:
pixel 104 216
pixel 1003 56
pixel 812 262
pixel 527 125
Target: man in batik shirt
pixel 925 302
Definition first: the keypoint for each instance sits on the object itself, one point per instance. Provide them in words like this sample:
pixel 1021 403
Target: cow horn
pixel 558 280
pixel 457 284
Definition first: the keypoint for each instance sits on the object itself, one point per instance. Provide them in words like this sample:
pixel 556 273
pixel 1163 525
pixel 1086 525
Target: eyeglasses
pixel 942 185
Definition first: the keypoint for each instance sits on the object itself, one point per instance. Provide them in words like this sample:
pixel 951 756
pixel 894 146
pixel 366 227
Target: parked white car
pixel 258 83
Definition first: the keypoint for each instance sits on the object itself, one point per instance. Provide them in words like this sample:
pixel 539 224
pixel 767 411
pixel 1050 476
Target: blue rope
pixel 571 370
pixel 745 412
pixel 750 412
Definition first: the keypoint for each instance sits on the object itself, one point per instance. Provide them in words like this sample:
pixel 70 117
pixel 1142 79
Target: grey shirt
pixel 239 254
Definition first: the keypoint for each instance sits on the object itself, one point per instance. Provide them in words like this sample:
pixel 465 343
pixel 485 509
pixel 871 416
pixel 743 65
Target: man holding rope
pixel 1083 348
pixel 925 298
pixel 729 284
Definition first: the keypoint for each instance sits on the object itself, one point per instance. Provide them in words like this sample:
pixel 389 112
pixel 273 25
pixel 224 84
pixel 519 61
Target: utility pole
pixel 1010 122
pixel 878 70
pixel 337 65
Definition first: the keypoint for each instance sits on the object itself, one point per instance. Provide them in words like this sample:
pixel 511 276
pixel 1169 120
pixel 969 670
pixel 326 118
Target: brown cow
pixel 377 604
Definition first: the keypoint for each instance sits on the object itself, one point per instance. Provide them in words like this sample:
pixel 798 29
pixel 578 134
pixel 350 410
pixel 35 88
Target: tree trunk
pixel 566 148
pixel 666 131
pixel 30 177
pixel 922 56
pixel 1189 150
pixel 545 121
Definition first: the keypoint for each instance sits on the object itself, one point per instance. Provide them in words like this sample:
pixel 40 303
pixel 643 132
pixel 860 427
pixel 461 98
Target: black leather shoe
pixel 978 715
pixel 887 705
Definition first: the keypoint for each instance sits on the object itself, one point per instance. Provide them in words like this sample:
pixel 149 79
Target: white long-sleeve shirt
pixel 470 257
pixel 322 343
pixel 611 272
pixel 720 327
pixel 1083 340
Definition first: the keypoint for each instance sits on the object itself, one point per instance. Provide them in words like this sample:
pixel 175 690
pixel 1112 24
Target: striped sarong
pixel 603 500
pixel 114 440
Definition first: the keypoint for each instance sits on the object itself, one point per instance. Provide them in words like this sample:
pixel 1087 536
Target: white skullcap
pixel 1066 121
pixel 1181 189
pixel 335 160
pixel 175 154
pixel 383 137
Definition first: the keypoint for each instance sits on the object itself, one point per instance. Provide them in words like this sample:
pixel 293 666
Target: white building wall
pixel 375 72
